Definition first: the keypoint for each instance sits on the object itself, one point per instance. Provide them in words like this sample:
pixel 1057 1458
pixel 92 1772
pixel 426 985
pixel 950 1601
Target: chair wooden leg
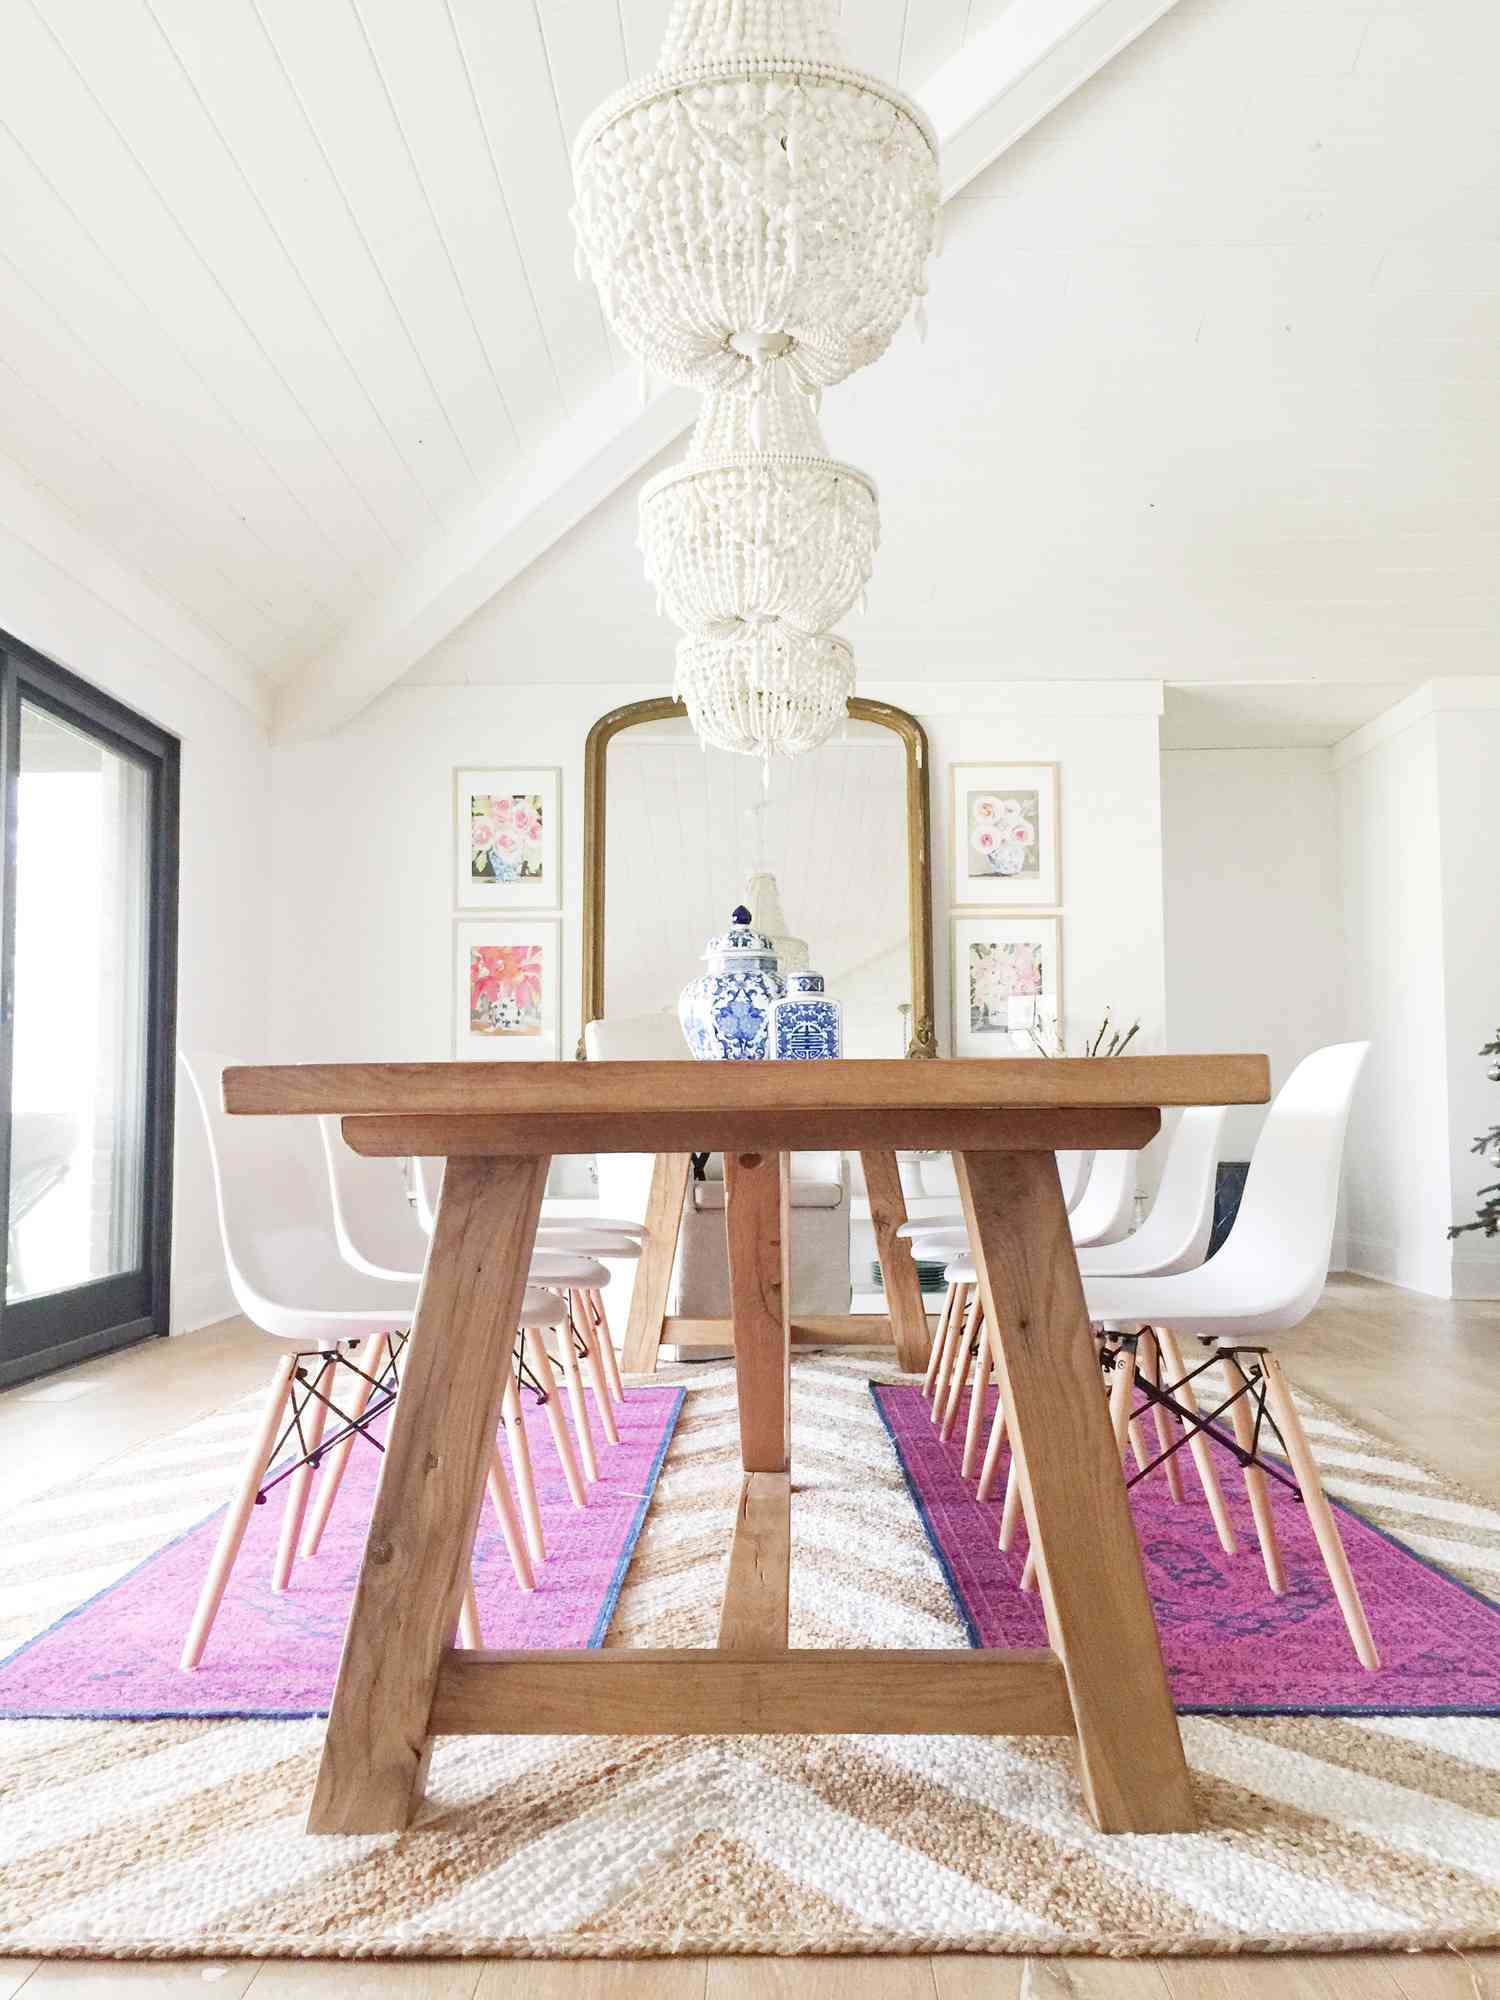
pixel 520 1465
pixel 593 1367
pixel 939 1342
pixel 1149 1360
pixel 371 1361
pixel 949 1352
pixel 1198 1445
pixel 1255 1483
pixel 606 1345
pixel 568 1360
pixel 963 1361
pixel 300 1483
pixel 1319 1514
pixel 990 1471
pixel 1121 1389
pixel 469 1636
pixel 541 1366
pixel 510 1525
pixel 1010 1514
pixel 653 1273
pixel 237 1516
pixel 978 1394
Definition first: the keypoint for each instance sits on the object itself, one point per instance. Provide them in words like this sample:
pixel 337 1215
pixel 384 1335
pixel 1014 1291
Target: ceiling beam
pixel 1004 81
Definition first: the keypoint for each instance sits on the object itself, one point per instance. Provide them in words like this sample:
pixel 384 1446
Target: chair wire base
pixel 1165 1396
pixel 383 1389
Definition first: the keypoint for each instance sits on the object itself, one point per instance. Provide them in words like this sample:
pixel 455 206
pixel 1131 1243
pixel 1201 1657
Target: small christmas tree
pixel 1487 1215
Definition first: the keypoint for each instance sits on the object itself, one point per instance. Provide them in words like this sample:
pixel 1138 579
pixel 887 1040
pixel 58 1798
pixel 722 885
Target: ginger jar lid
pixel 741 944
pixel 805 982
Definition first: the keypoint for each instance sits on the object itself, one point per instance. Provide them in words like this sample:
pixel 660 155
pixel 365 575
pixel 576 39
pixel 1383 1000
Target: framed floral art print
pixel 1004 824
pixel 1006 979
pixel 506 983
pixel 507 850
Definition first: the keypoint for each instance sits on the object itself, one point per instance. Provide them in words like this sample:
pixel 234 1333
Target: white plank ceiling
pixel 285 282
pixel 1209 395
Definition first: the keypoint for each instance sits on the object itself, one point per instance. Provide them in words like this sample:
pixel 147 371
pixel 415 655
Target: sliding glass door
pixel 88 900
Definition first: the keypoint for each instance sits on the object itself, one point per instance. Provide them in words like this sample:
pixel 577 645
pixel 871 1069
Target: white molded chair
pixel 1174 1236
pixel 1107 1207
pixel 625 1178
pixel 566 1258
pixel 380 1230
pixel 1263 1283
pixel 287 1277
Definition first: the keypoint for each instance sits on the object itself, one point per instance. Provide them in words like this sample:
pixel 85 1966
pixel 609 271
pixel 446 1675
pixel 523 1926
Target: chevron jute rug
pixel 183 1838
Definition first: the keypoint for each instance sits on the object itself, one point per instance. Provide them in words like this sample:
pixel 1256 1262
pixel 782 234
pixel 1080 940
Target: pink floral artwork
pixel 998 974
pixel 505 989
pixel 505 837
pixel 1003 834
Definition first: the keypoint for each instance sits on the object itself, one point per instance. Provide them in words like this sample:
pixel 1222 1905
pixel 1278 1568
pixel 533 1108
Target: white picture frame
pixel 526 819
pixel 521 1013
pixel 1004 836
pixel 1004 971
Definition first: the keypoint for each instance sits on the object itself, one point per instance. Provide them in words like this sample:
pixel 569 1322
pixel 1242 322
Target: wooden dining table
pixel 402 1680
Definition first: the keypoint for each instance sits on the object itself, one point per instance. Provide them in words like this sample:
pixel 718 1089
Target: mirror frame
pixel 922 1041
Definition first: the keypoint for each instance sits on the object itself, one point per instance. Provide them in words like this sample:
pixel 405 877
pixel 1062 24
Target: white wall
pixel 77 606
pixel 1254 920
pixel 1468 754
pixel 1396 1179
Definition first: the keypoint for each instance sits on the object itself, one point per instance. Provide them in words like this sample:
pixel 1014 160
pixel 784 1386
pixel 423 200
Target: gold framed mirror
pixel 840 833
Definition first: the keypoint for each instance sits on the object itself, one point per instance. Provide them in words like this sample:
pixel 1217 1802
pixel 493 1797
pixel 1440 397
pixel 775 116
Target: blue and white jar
pixel 726 1011
pixel 806 1026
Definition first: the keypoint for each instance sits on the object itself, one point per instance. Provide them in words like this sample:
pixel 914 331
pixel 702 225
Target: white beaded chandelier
pixel 734 534
pixel 755 199
pixel 769 691
pixel 757 217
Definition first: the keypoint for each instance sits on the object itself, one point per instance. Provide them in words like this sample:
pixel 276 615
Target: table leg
pixel 903 1288
pixel 653 1274
pixel 1099 1616
pixel 416 1561
pixel 756 1194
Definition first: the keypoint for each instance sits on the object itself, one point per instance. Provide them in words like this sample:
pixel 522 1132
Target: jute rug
pixel 182 1838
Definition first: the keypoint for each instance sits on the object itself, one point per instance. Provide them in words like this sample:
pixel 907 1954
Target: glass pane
pixel 78 1094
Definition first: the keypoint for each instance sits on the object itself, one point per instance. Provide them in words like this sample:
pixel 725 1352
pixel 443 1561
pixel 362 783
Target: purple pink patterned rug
pixel 1231 1647
pixel 270 1655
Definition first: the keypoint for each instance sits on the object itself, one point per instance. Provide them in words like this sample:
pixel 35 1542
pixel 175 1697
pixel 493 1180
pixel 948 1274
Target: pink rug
pixel 270 1655
pixel 1231 1647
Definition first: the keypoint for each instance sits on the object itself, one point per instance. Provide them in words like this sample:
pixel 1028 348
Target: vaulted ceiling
pixel 289 322
pixel 287 286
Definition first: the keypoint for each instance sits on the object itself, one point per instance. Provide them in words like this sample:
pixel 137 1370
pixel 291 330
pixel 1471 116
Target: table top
pixel 511 1108
pixel 543 1090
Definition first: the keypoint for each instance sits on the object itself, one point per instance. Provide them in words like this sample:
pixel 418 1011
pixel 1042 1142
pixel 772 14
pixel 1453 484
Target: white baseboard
pixel 1430 1274
pixel 1476 1273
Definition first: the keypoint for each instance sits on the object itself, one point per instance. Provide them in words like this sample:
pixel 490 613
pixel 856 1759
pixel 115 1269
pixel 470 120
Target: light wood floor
pixel 1419 1371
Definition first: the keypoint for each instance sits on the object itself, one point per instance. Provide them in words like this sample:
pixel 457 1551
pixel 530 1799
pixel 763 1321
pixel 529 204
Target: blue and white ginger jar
pixel 726 1011
pixel 806 1026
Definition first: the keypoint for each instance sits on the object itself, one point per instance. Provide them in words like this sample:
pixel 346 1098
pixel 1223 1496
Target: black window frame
pixel 52 1331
